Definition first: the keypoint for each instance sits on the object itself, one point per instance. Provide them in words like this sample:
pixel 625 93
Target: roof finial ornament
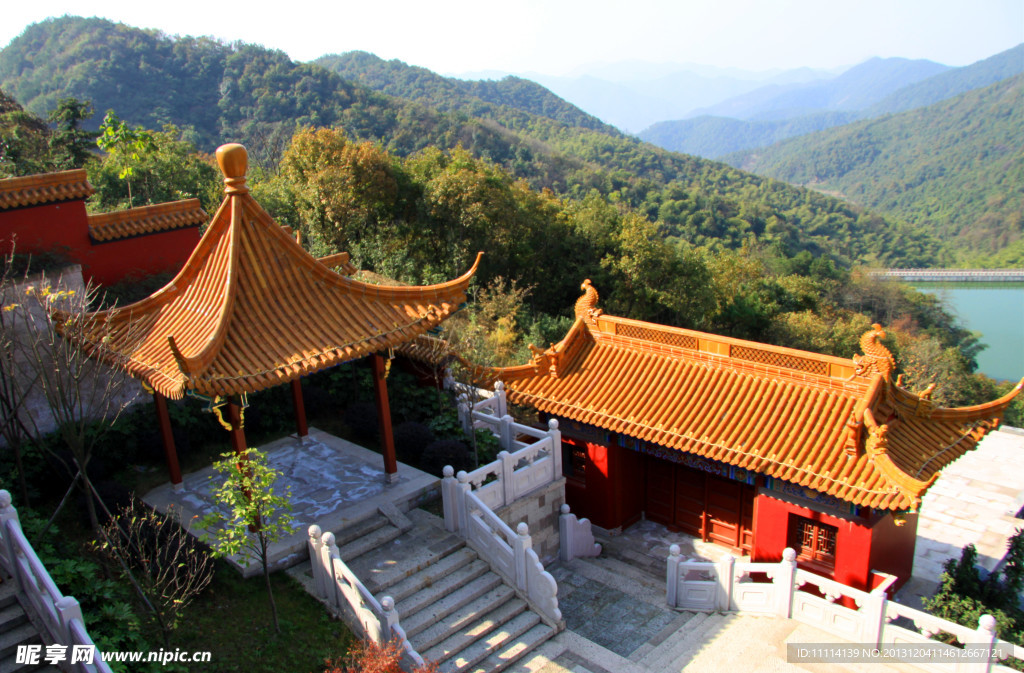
pixel 234 162
pixel 586 306
pixel 876 359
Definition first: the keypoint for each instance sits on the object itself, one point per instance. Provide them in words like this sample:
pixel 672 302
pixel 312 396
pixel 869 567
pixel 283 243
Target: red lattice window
pixel 814 542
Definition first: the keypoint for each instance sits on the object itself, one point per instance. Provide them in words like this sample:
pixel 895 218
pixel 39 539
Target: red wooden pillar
pixel 170 451
pixel 301 427
pixel 387 440
pixel 237 433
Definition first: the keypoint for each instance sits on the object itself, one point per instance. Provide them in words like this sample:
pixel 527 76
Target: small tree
pixel 156 554
pixel 125 144
pixel 256 516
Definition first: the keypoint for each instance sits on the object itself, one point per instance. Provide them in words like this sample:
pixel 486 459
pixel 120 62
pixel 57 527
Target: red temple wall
pixel 161 252
pixel 53 227
pixel 853 539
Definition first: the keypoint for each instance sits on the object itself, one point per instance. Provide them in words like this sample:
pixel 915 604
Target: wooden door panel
pixel 689 509
pixel 659 491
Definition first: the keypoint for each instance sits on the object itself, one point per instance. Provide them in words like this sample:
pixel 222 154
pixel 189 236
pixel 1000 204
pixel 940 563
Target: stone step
pixel 436 604
pixel 403 557
pixel 11 617
pixel 494 642
pixel 359 529
pixel 507 657
pixel 369 542
pixel 676 652
pixel 8 593
pixel 9 665
pixel 24 634
pixel 443 587
pixel 433 573
pixel 459 629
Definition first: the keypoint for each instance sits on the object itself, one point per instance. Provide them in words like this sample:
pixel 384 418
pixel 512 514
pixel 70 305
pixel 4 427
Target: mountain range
pixel 874 88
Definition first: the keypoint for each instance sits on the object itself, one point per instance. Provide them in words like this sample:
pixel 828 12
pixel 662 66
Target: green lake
pixel 996 310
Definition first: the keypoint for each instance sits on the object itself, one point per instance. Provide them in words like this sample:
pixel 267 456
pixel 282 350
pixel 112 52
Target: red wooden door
pixel 691 491
pixel 705 506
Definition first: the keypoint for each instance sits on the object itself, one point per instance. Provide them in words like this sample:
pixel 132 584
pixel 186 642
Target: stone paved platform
pixel 975 500
pixel 334 483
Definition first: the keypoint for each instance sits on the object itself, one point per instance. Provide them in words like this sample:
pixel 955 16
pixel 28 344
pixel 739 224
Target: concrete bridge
pixel 951 275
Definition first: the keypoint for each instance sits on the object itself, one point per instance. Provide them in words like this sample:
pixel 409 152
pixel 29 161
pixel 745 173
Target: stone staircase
pixel 16 629
pixel 455 610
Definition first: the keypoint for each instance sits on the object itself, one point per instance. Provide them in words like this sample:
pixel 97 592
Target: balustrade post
pixel 329 552
pixel 315 559
pixel 874 617
pixel 390 620
pixel 523 542
pixel 565 535
pixel 672 576
pixel 449 495
pixel 556 447
pixel 785 579
pixel 461 504
pixel 508 487
pixel 983 641
pixel 505 432
pixel 68 609
pixel 465 415
pixel 8 520
pixel 8 513
pixel 725 569
pixel 502 404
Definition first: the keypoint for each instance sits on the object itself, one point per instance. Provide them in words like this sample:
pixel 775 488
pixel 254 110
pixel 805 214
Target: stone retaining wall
pixel 540 510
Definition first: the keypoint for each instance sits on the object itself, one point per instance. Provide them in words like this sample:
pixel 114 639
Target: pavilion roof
pixel 251 309
pixel 835 426
pixel 35 190
pixel 144 220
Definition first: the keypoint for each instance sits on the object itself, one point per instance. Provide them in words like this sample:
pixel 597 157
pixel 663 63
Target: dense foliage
pixel 966 593
pixel 954 168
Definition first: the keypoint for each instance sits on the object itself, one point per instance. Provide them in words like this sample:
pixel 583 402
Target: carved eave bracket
pixel 876 447
pixel 548 359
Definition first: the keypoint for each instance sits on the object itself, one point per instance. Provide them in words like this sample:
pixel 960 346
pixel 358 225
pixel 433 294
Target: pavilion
pixel 251 309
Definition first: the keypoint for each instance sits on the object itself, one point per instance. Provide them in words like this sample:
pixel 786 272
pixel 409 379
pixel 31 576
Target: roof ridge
pixel 43 188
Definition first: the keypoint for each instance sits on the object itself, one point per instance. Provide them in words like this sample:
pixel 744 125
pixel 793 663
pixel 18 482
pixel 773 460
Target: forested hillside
pixel 955 167
pixel 474 98
pixel 413 192
pixel 218 92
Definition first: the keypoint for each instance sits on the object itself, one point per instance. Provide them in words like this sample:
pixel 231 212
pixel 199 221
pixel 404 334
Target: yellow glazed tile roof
pixel 146 220
pixel 251 309
pixel 835 426
pixel 34 190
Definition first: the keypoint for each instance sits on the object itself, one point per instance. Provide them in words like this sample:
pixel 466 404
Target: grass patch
pixel 231 620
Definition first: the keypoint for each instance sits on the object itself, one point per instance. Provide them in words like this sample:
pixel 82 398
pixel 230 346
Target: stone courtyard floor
pixel 333 483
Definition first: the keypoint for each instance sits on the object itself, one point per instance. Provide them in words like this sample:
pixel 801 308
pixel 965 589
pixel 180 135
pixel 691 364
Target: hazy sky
pixel 556 36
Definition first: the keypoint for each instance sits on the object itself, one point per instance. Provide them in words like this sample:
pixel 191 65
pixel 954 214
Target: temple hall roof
pixel 836 426
pixel 252 309
pixel 35 190
pixel 146 220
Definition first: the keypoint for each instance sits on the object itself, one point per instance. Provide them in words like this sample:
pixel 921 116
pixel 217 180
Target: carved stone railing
pixel 60 615
pixel 858 616
pixel 575 537
pixel 509 553
pixel 338 586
